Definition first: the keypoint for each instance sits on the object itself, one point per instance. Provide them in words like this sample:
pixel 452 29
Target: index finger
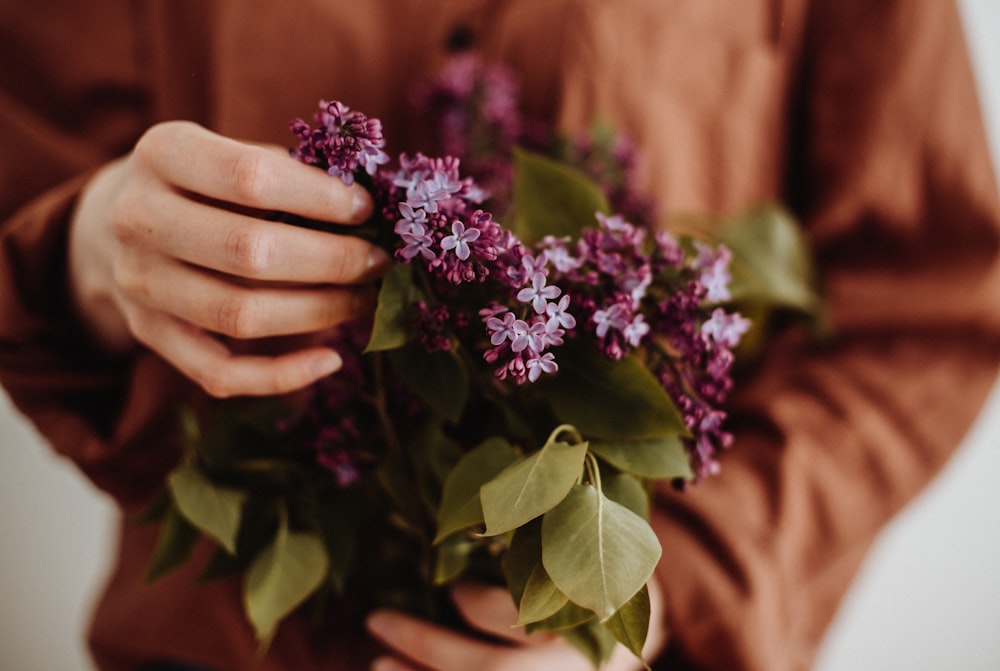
pixel 197 160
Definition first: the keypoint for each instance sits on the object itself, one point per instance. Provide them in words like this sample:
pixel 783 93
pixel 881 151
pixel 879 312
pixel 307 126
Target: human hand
pixel 418 644
pixel 168 248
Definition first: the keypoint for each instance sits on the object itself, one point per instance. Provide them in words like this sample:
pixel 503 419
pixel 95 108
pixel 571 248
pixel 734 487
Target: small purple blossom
pixel 725 330
pixel 410 216
pixel 613 223
pixel 558 314
pixel 523 336
pixel 713 264
pixel 615 317
pixel 416 241
pixel 558 255
pixel 538 364
pixel 539 293
pixel 459 240
pixel 501 330
pixel 635 330
pixel 427 193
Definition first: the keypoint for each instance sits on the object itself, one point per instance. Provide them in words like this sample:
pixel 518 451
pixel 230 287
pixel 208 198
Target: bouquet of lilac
pixel 504 418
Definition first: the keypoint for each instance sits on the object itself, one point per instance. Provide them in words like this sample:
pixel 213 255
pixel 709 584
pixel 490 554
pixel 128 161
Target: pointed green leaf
pixel 452 558
pixel 256 532
pixel 771 259
pixel 460 506
pixel 541 598
pixel 173 546
pixel 551 198
pixel 593 640
pixel 772 271
pixel 214 509
pixel 523 554
pixel 281 578
pixel 598 552
pixel 663 457
pixel 434 454
pixel 626 489
pixel 570 615
pixel 438 378
pixel 398 292
pixel 611 399
pixel 630 623
pixel 530 487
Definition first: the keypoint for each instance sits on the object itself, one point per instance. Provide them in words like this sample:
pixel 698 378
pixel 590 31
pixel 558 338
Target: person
pixel 139 269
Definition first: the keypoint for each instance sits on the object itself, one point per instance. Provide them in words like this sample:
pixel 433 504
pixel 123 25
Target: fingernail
pixel 361 205
pixel 326 364
pixel 378 259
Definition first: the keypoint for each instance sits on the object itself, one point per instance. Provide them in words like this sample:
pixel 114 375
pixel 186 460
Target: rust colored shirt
pixel 861 116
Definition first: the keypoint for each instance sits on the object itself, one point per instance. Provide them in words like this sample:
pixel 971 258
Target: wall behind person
pixel 928 599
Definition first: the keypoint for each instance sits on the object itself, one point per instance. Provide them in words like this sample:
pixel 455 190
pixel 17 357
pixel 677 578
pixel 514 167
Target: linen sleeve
pixel 891 177
pixel 72 97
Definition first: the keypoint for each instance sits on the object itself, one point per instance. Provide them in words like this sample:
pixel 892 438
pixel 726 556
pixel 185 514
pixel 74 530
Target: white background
pixel 927 600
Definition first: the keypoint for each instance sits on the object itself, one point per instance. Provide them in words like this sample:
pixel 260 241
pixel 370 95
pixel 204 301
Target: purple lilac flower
pixel 557 313
pixel 501 330
pixel 416 241
pixel 342 143
pixel 635 330
pixel 459 239
pixel 523 336
pixel 558 255
pixel 725 329
pixel 539 293
pixel 713 264
pixel 538 364
pixel 427 193
pixel 476 106
pixel 614 317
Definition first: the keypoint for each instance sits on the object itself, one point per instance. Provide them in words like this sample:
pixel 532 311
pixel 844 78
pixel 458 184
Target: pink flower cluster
pixel 617 285
pixel 342 141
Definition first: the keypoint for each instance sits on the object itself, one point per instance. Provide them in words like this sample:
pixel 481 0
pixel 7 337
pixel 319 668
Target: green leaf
pixel 567 617
pixel 213 509
pixel 452 559
pixel 523 554
pixel 772 271
pixel 391 327
pixel 256 532
pixel 435 455
pixel 593 640
pixel 611 399
pixel 460 505
pixel 439 378
pixel 664 457
pixel 598 552
pixel 541 598
pixel 281 578
pixel 630 623
pixel 551 198
pixel 771 259
pixel 531 486
pixel 626 489
pixel 173 546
